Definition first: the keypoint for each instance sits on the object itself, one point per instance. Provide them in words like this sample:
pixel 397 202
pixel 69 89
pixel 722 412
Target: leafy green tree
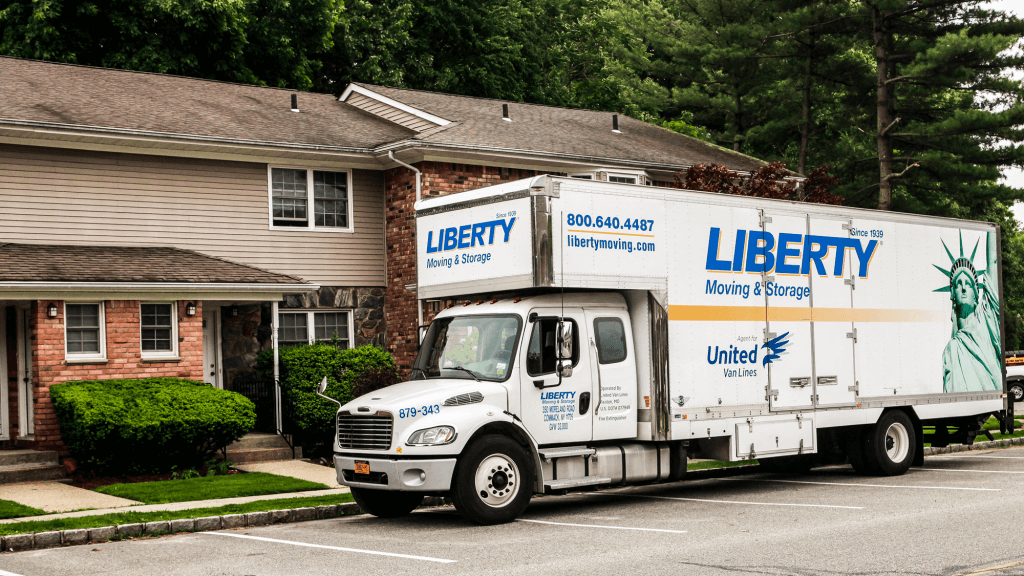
pixel 250 41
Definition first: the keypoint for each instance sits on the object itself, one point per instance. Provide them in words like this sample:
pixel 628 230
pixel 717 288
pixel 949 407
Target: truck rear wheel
pixel 888 447
pixel 1017 391
pixel 493 481
pixel 386 504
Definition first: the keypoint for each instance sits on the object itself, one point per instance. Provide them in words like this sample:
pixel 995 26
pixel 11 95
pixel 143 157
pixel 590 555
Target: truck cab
pixel 504 395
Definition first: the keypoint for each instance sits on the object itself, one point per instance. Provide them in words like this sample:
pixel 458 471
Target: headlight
pixel 432 436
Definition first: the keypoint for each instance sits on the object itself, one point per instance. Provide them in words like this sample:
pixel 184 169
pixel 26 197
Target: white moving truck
pixel 595 333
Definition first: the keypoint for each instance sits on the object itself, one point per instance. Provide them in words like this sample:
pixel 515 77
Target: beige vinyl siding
pixel 388 112
pixel 55 196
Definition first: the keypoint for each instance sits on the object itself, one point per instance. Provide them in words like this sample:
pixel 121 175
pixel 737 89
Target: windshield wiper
pixel 467 370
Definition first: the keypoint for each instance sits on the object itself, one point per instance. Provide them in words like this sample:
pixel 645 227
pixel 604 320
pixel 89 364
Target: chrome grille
pixel 365 432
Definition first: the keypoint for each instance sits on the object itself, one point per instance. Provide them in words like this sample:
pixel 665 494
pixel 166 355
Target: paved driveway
pixel 957 515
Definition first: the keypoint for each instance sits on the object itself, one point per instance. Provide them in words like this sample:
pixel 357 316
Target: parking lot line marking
pixel 597 526
pixel 854 484
pixel 739 501
pixel 978 456
pixel 5 573
pixel 339 548
pixel 993 569
pixel 966 470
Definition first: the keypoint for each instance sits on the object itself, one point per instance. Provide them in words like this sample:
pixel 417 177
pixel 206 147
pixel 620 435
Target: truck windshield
pixel 468 347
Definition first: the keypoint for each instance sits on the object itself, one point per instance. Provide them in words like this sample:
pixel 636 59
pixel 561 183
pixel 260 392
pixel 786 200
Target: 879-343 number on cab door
pixel 421 411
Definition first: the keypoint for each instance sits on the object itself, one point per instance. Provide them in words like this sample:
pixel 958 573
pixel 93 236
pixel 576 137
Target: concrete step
pixel 254 441
pixel 30 473
pixel 248 456
pixel 15 457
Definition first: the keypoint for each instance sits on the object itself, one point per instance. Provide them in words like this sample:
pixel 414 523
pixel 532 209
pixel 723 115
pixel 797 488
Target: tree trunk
pixel 736 124
pixel 805 114
pixel 884 111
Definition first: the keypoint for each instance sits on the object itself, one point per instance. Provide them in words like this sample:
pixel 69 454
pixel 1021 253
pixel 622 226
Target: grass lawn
pixel 210 488
pixel 10 509
pixel 133 517
pixel 990 424
pixel 704 465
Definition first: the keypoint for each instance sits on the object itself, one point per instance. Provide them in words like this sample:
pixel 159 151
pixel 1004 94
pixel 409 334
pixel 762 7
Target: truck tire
pixel 386 504
pixel 493 481
pixel 1017 391
pixel 889 445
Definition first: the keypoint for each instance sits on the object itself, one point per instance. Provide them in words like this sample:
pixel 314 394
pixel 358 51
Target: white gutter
pixel 160 287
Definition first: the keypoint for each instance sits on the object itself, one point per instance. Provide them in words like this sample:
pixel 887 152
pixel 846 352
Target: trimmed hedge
pixel 150 425
pixel 350 374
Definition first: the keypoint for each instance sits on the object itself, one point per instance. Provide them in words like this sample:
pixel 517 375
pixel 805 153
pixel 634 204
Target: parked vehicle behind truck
pixel 594 334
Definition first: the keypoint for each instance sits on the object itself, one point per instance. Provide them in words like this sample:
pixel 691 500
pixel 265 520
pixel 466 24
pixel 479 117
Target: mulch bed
pixel 93 481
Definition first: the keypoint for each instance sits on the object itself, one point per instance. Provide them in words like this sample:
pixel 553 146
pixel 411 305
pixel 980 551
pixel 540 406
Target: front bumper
pixel 403 475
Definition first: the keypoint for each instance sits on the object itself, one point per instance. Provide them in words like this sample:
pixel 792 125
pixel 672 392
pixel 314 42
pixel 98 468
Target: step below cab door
pixel 556 410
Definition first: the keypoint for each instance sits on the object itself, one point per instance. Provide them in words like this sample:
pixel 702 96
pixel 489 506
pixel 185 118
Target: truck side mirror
pixel 564 369
pixel 322 386
pixel 564 340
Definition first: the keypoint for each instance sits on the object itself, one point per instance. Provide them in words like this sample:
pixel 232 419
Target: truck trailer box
pixel 595 334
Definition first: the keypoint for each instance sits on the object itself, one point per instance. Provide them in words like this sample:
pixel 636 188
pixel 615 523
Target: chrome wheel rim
pixel 497 480
pixel 1018 393
pixel 897 442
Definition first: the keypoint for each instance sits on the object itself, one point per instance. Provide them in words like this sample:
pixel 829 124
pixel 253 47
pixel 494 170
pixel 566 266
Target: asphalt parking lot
pixel 956 515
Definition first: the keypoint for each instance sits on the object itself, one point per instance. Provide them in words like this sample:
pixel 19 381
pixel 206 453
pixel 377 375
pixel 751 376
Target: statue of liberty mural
pixel 972 358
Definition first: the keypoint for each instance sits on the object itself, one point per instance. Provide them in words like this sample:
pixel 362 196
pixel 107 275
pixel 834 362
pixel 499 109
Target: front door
pixel 212 372
pixel 26 404
pixel 556 413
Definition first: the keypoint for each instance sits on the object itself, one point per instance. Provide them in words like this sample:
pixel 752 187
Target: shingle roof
pixel 110 98
pixel 557 130
pixel 53 263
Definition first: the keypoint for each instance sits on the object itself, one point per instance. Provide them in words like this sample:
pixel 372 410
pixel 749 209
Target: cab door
pixel 615 382
pixel 556 412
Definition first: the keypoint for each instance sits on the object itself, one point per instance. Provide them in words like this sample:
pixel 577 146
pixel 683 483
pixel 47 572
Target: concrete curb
pixel 929 451
pixel 55 539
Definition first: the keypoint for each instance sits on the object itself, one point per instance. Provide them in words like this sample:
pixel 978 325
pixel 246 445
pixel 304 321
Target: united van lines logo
pixel 776 348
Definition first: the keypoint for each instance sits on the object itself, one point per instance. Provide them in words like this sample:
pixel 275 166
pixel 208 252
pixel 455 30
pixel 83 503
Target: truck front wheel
pixel 888 446
pixel 493 481
pixel 386 504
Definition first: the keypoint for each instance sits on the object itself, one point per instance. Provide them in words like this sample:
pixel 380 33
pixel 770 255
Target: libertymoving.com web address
pixel 613 244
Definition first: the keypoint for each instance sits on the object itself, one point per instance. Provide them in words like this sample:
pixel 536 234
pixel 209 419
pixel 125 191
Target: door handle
pixel 799 382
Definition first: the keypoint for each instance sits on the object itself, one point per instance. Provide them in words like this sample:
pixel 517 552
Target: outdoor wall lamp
pixel 51 310
pixel 190 309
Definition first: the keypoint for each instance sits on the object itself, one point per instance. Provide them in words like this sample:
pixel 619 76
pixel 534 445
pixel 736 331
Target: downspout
pixel 419 177
pixel 277 367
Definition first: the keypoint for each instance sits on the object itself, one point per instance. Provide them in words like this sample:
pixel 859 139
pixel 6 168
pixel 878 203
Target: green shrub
pixel 350 373
pixel 150 425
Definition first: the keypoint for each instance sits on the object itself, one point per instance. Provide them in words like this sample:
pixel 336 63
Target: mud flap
pixel 919 440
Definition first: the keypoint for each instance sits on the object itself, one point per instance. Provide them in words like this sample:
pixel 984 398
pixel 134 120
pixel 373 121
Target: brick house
pixel 161 225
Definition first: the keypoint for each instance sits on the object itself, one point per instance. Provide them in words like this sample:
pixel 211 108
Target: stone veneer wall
pixel 439 179
pixel 124 357
pixel 246 330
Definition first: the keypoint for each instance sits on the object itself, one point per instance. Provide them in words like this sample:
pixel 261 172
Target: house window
pixel 159 330
pixel 307 199
pixel 582 176
pixel 620 179
pixel 84 333
pixel 294 328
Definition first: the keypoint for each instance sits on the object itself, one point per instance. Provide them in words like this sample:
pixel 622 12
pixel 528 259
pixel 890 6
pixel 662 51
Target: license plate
pixel 362 467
